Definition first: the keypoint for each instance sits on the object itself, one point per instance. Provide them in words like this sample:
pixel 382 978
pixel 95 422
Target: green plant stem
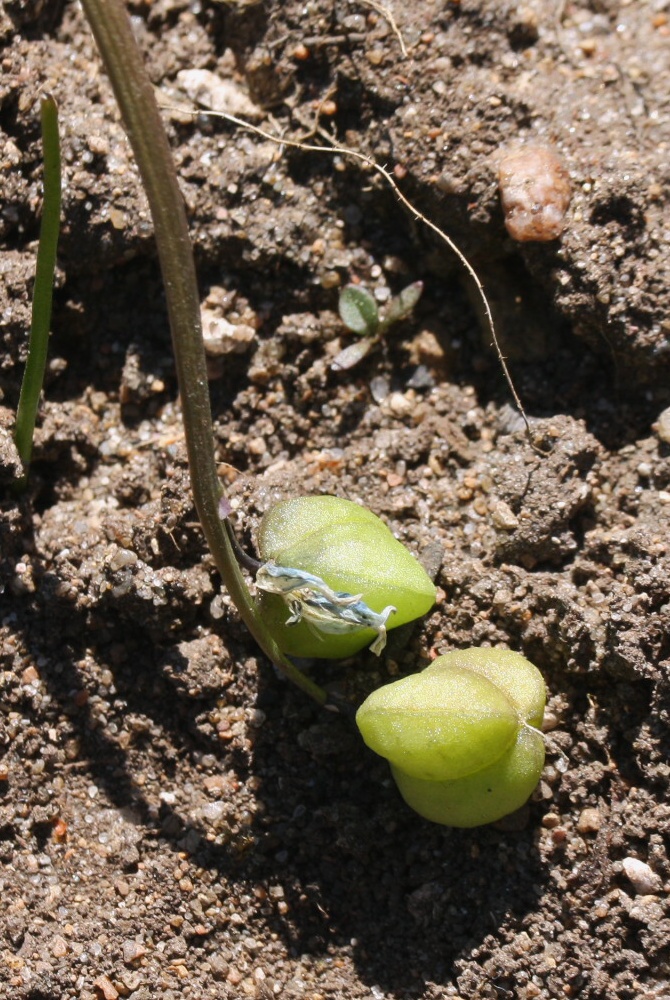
pixel 134 94
pixel 38 344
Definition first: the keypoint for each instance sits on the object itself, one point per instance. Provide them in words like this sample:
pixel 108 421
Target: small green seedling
pixel 334 578
pixel 359 313
pixel 462 736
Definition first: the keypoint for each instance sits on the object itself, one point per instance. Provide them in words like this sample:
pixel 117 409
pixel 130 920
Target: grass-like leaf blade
pixel 38 343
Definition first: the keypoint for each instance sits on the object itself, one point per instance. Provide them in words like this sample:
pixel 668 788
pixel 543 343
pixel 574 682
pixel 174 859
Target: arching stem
pixel 134 94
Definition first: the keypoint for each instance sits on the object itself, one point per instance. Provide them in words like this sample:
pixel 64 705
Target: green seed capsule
pixel 482 797
pixel 461 736
pixel 353 553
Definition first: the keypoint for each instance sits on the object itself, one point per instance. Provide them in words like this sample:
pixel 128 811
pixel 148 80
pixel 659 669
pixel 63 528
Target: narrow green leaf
pixel 401 305
pixel 358 310
pixel 38 343
pixel 352 354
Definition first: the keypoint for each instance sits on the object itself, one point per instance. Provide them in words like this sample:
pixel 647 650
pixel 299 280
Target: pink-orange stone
pixel 535 193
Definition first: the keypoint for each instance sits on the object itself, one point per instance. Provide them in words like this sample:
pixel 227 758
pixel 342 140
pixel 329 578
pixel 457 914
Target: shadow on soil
pixel 359 872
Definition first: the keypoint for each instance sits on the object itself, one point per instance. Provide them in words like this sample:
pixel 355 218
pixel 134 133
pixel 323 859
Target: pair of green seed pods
pixel 462 737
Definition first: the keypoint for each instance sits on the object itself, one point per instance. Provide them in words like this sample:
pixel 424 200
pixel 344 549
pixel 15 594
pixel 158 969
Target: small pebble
pixel 662 425
pixel 222 338
pixel 549 722
pixel 590 821
pixel 644 879
pixel 29 676
pixel 216 94
pixel 234 977
pixel 301 53
pixel 534 192
pixel 213 811
pixel 58 946
pixel 331 279
pixel 399 405
pixel 105 988
pixel 379 388
pixel 503 516
pixel 257 446
pixel 133 951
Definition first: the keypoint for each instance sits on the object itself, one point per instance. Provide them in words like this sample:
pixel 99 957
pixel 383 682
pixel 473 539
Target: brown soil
pixel 175 820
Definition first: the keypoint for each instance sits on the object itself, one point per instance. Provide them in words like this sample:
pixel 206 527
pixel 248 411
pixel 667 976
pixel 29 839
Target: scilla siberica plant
pixel 461 736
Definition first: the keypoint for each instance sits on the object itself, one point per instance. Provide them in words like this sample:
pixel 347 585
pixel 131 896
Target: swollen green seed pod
pixel 334 578
pixel 461 736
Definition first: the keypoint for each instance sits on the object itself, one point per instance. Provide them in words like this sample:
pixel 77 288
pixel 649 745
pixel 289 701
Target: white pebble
pixel 503 516
pixel 221 337
pixel 662 425
pixel 644 879
pixel 213 811
pixel 216 94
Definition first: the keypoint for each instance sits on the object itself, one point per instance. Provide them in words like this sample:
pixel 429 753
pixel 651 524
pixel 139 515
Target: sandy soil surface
pixel 175 820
